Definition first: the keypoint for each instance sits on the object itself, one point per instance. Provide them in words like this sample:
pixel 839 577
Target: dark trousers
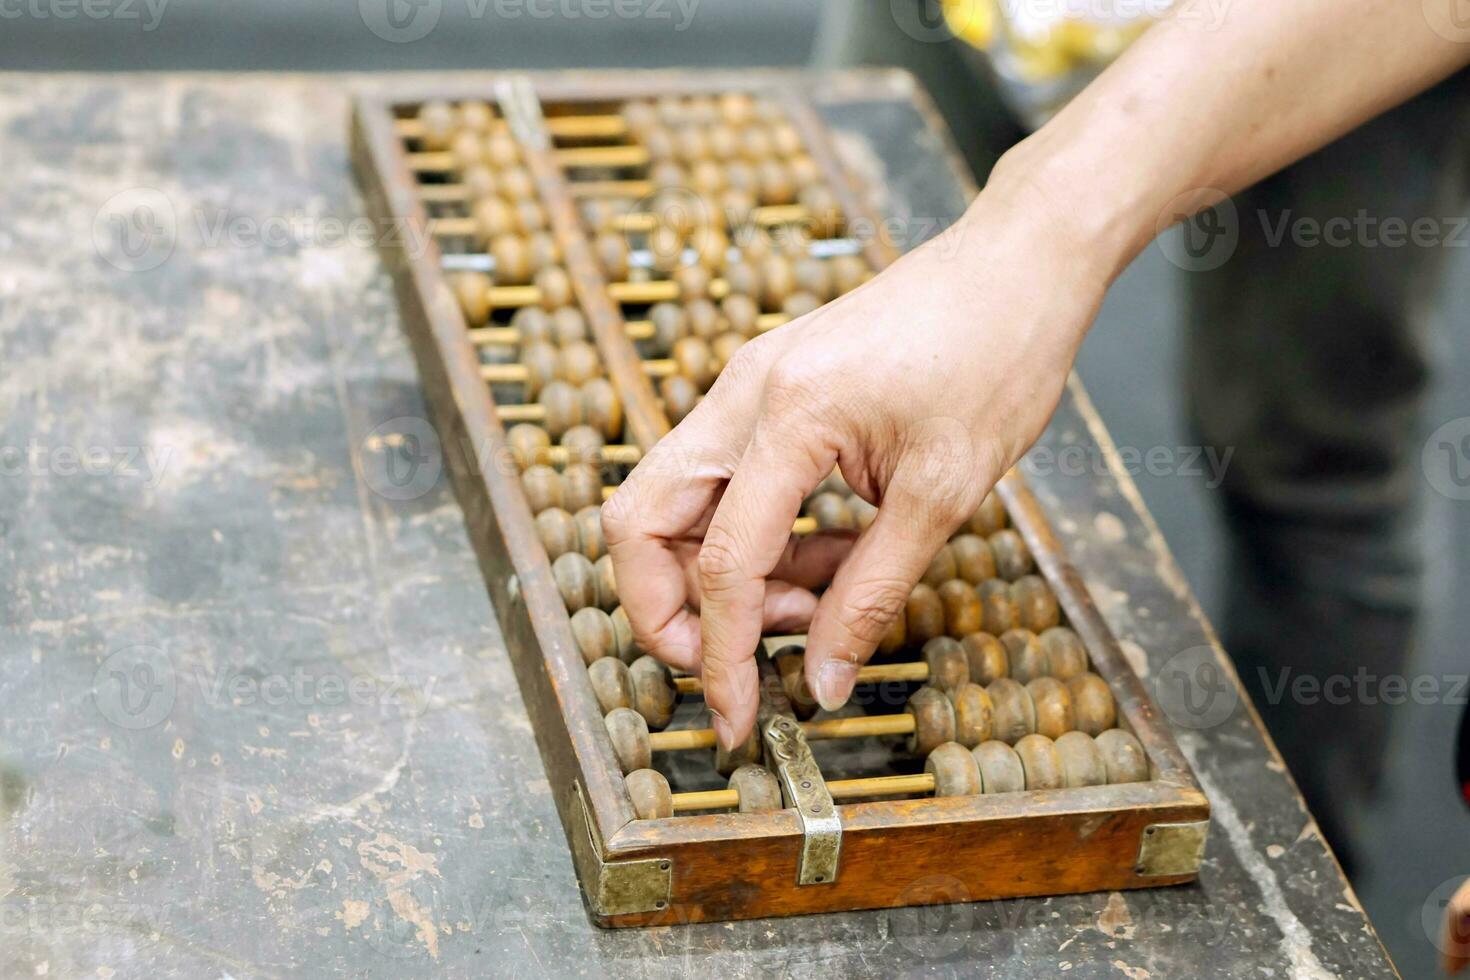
pixel 1307 355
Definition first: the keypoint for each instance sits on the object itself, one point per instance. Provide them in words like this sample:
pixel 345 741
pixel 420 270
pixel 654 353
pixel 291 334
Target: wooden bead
pixel 831 512
pixel 555 286
pixel 741 313
pixel 542 362
pixel 650 793
pixel 543 250
pixel 611 683
pixel 799 304
pixel 706 176
pixel 691 144
pixel 1082 762
pixel 811 275
pixel 493 218
pixel 606 586
pixel 526 442
pixel 1023 651
pixel 773 183
pixel 777 281
pixel 533 324
pixel 941 568
pixel 973 561
pixel 1055 714
pixel 581 487
pixel 666 174
pixel 758 787
pixel 512 259
pixel 1015 715
pixel 577 363
pixel 476 116
pixel 542 486
pixel 583 444
pixel 438 120
pixel 744 754
pixel 530 217
pixel 1012 557
pixel 501 151
pixel 629 734
pixel 743 279
pixel 611 249
pixel 639 116
pixel 679 396
pixel 997 608
pixel 654 695
pixel 568 325
pixel 1123 757
pixel 925 614
pixel 954 770
pixel 625 644
pixel 670 325
pixel 595 634
pixel 693 282
pixel 1097 711
pixel 785 139
pixel 479 181
pixel 974 714
pixel 988 658
pixel 962 610
pixel 557 531
pixel 863 512
pixel 825 220
pixel 1036 604
pixel 948 666
pixel 1041 763
pixel 1066 657
pixel 804 171
pixel 575 580
pixel 695 361
pixel 736 108
pixel 848 271
pixel 724 347
pixel 989 518
pixel 724 142
pixel 705 319
pixel 589 532
pixel 1000 768
pixel 790 664
pixel 934 721
pixel 472 289
pixel 755 143
pixel 659 143
pixel 602 408
pixel 516 185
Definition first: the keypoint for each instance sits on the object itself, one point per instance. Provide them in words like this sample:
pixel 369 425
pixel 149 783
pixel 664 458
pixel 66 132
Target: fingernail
pixel 722 729
pixel 835 679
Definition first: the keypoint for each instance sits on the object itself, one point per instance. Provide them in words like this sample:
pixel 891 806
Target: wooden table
pixel 255 714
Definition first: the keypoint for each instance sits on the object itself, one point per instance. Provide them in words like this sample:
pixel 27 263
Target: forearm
pixel 1191 112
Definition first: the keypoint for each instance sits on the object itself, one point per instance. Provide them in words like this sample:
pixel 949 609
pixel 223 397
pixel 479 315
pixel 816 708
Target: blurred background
pixel 1418 832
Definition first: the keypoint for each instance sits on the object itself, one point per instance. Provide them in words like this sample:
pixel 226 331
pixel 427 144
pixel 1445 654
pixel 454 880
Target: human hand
pixel 924 386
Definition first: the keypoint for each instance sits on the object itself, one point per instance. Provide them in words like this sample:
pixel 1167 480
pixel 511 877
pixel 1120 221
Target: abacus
pixel 599 250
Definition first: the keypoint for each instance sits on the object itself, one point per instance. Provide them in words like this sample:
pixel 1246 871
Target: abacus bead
pixel 578 363
pixel 941 568
pixel 988 658
pixel 512 259
pixel 925 614
pixel 810 275
pixel 476 116
pixel 650 793
pixel 670 325
pixel 472 291
pixel 479 181
pixel 542 486
pixel 589 532
pixel 1035 603
pixel 1012 557
pixel 804 171
pixel 575 580
pixel 848 272
pixel 611 248
pixel 948 667
pixel 595 634
pixel 639 117
pixel 1024 653
pixel 665 249
pixel 736 108
pixel 541 361
pixel 962 611
pixel 1082 763
pixel 629 734
pixel 934 721
pixel 972 558
pixel 705 319
pixel 557 531
pixel 532 323
pixel 526 441
pixel 666 174
pixel 790 664
pixel 695 361
pixel 863 511
pixel 659 143
pixel 606 585
pixel 954 770
pixel 1000 768
pixel 583 444
pixel 1055 714
pixel 724 143
pixel 438 120
pixel 785 139
pixel 758 788
pixel 654 696
pixel 1123 757
pixel 679 395
pixel 543 250
pixel 611 683
pixel 602 408
pixel 581 487
pixel 997 607
pixel 693 282
pixel 625 643
pixel 723 348
pixel 568 325
pixel 1015 715
pixel 989 517
pixel 746 753
pixel 774 184
pixel 743 279
pixel 974 715
pixel 493 218
pixel 777 281
pixel 742 313
pixel 1066 657
pixel 755 143
pixel 1097 711
pixel 501 150
pixel 516 184
pixel 706 177
pixel 799 304
pixel 831 512
pixel 555 286
pixel 1040 761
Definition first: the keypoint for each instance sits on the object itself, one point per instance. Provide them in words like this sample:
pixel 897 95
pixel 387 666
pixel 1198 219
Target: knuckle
pixel 619 516
pixel 873 608
pixel 718 563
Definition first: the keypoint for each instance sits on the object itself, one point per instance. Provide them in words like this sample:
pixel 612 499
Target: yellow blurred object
pixel 972 21
pixel 1099 43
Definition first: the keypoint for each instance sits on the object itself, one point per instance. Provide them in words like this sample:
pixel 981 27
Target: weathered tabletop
pixel 255 717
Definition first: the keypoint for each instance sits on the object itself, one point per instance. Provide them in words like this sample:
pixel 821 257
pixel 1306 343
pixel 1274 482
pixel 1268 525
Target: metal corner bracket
pixel 622 887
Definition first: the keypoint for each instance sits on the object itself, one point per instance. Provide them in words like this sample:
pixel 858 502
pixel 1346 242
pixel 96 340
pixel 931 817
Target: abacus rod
pixel 841 789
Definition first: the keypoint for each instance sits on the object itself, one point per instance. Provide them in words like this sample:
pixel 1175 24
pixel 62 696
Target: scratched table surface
pixel 256 718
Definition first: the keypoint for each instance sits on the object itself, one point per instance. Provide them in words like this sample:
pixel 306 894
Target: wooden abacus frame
pixel 733 865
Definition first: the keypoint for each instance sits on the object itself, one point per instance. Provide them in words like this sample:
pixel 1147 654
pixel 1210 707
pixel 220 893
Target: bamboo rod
pixel 841 789
pixel 565 127
pixel 510 374
pixel 864 726
pixel 871 674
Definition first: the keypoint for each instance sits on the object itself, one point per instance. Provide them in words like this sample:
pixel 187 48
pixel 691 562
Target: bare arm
pixel 989 330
